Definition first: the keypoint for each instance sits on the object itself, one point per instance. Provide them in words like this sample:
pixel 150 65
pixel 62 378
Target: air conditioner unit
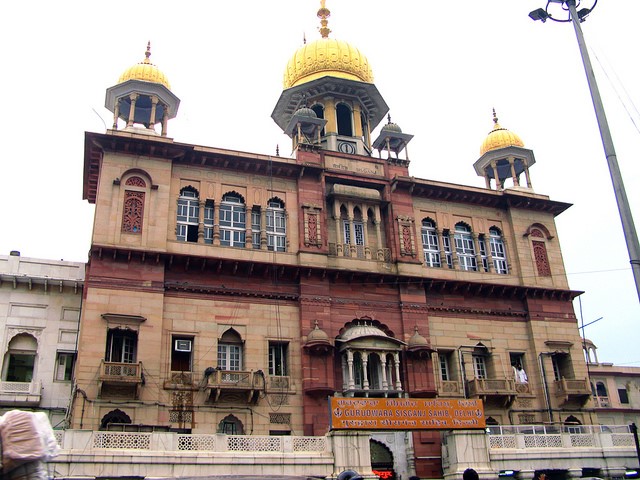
pixel 182 346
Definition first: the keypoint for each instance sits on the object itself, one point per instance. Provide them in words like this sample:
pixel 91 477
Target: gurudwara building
pixel 229 294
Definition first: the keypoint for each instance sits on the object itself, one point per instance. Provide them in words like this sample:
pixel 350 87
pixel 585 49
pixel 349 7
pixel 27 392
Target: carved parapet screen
pixel 407 237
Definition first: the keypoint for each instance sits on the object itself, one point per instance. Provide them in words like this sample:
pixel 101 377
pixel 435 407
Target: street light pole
pixel 628 227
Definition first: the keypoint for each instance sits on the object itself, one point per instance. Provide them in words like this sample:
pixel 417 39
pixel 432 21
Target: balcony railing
pixel 559 436
pixel 21 393
pixel 179 380
pixel 279 383
pixel 602 402
pixel 236 381
pixel 120 373
pixel 573 389
pixel 359 251
pixel 492 387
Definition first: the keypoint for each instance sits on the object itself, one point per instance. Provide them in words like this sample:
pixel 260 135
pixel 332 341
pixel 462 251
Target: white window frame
pixel 230 356
pixel 278 359
pixel 498 252
pixel 127 341
pixel 65 362
pixel 445 374
pixel 276 226
pixel 256 225
pixel 479 366
pixel 465 248
pixel 430 244
pixel 446 243
pixel 187 214
pixel 232 221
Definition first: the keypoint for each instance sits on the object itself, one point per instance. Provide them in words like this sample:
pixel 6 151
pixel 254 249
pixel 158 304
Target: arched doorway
pixel 381 460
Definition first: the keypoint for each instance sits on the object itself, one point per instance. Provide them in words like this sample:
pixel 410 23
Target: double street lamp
pixel 571 14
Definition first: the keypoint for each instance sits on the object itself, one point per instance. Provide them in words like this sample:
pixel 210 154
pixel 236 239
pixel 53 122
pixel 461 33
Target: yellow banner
pixel 405 414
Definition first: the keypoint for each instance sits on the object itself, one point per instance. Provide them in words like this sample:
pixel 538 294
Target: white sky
pixel 441 67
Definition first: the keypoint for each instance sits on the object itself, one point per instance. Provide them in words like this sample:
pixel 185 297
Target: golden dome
pixel 499 138
pixel 326 57
pixel 145 71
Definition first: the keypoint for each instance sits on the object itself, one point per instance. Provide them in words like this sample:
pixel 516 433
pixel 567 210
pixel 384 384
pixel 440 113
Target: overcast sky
pixel 441 67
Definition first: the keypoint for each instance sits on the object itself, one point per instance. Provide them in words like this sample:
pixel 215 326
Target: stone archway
pixel 381 460
pixel 114 416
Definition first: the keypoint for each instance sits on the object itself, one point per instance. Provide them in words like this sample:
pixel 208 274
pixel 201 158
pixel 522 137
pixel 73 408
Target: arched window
pixel 539 235
pixel 232 220
pixel 21 358
pixel 319 110
pixel 276 225
pixel 364 123
pixel 133 205
pixel 231 425
pixel 187 218
pixel 114 416
pixel 230 355
pixel 430 244
pixel 498 251
pixel 344 119
pixel 465 247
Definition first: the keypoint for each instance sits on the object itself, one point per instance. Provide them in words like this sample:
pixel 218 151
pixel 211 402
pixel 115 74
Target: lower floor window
pixel 64 366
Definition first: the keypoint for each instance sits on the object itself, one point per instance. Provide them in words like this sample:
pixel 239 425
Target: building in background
pixel 233 292
pixel 40 304
pixel 615 389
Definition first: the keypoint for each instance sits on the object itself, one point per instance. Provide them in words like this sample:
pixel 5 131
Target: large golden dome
pixel 499 138
pixel 145 71
pixel 327 57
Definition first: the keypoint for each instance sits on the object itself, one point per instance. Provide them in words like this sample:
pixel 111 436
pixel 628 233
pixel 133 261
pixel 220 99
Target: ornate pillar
pixel 201 221
pixel 376 214
pixel 152 116
pixel 263 229
pixel 132 109
pixel 514 177
pixel 476 245
pixel 383 365
pixel 116 114
pixel 365 376
pixel 352 238
pixel 396 361
pixel 165 119
pixel 350 383
pixel 526 173
pixel 495 174
pixel 216 223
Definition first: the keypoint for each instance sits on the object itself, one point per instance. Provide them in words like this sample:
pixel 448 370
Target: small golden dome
pixel 326 57
pixel 145 71
pixel 499 138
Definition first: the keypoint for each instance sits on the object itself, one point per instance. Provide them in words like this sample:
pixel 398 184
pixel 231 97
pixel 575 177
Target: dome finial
pixel 147 54
pixel 388 118
pixel 323 14
pixel 495 117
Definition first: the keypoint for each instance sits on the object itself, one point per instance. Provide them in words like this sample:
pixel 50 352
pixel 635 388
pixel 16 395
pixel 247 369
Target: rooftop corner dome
pixel 499 138
pixel 145 71
pixel 326 57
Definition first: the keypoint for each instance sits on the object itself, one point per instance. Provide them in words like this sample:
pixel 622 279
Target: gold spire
pixel 323 14
pixel 147 54
pixel 145 71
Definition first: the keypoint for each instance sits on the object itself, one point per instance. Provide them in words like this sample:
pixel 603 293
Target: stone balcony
pixel 499 390
pixel 242 386
pixel 572 390
pixel 120 376
pixel 20 394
